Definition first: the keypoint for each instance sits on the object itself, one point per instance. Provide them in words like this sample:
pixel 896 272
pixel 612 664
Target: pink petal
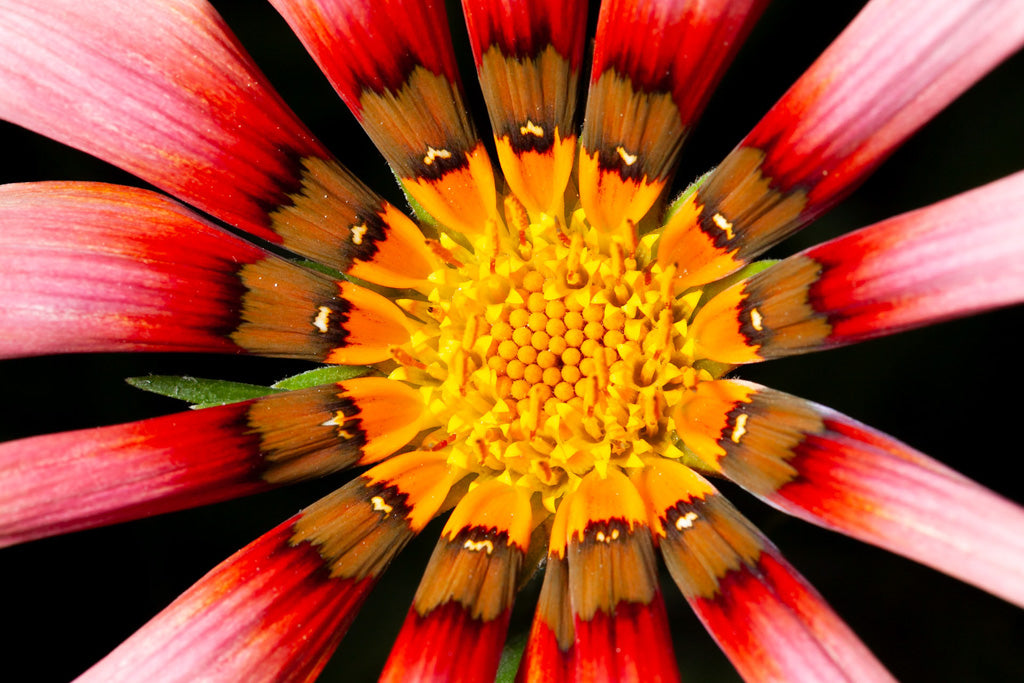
pixel 163 90
pixel 826 468
pixel 894 67
pixel 955 258
pixel 63 482
pixel 91 267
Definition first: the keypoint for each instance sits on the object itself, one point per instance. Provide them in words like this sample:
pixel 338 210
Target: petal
pixel 393 65
pixel 895 66
pixel 655 66
pixel 619 621
pixel 528 57
pixel 828 469
pixel 59 483
pixel 955 258
pixel 167 93
pixel 456 627
pixel 549 654
pixel 129 270
pixel 766 618
pixel 277 609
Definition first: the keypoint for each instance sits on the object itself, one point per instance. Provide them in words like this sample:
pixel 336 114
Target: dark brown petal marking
pixel 476 569
pixel 705 540
pixel 358 529
pixel 612 564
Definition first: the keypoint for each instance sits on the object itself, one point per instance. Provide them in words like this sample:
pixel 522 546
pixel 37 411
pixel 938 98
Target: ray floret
pixel 896 66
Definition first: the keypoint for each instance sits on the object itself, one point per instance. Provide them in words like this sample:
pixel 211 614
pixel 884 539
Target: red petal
pixel 446 645
pixel 955 258
pixel 894 68
pixel 528 57
pixel 75 480
pixel 621 631
pixel 549 654
pixel 456 627
pixel 59 483
pixel 630 644
pixel 127 270
pixel 774 626
pixel 655 66
pixel 269 612
pixel 90 267
pixel 828 469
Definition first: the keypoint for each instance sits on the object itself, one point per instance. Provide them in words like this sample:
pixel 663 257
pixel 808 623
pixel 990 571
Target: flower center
pixel 551 350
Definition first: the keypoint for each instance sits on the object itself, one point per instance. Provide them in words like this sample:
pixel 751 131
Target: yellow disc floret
pixel 548 351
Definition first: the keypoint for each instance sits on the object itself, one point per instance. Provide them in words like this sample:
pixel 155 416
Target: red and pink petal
pixel 276 609
pixel 93 267
pixel 59 483
pixel 766 618
pixel 955 258
pixel 830 470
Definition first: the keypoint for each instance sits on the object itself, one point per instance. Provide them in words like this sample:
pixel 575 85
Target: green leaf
pixel 325 375
pixel 508 665
pixel 200 392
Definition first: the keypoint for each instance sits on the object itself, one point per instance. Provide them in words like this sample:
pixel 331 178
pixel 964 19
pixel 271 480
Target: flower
pixel 600 466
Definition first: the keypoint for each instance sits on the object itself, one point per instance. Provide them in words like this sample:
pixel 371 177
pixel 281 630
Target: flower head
pixel 542 351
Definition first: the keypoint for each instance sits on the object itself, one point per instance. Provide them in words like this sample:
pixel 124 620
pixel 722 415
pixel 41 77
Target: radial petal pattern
pixel 542 351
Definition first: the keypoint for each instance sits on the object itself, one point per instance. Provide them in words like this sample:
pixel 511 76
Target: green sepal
pixel 324 375
pixel 674 207
pixel 321 268
pixel 511 654
pixel 421 214
pixel 201 393
pixel 718 286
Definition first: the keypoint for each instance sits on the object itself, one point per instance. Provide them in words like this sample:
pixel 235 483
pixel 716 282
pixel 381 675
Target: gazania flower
pixel 544 352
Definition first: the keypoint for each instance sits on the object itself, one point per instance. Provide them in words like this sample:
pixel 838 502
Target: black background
pixel 952 391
